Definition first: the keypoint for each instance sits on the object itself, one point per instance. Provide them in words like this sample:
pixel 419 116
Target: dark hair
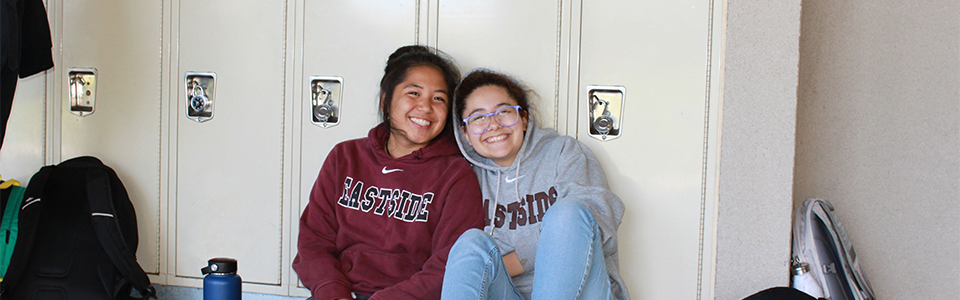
pixel 483 77
pixel 399 65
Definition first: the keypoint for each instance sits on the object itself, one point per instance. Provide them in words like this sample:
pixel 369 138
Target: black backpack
pixel 77 237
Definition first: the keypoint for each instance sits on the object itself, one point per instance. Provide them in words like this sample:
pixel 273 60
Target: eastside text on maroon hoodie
pixel 383 226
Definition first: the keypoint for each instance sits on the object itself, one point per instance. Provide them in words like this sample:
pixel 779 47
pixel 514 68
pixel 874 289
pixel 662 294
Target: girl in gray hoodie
pixel 551 223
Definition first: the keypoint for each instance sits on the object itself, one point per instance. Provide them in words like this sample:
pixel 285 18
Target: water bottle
pixel 220 281
pixel 803 280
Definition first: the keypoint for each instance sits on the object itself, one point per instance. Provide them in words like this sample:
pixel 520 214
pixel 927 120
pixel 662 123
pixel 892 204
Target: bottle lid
pixel 220 265
pixel 800 268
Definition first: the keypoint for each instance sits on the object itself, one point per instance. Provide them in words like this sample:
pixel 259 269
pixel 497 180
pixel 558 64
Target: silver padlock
pixel 603 123
pixel 198 99
pixel 323 108
pixel 323 112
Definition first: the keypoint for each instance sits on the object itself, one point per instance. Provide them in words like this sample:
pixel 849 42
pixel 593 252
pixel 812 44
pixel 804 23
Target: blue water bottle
pixel 220 281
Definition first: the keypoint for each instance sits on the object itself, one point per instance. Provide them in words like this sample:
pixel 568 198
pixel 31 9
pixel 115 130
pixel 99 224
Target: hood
pixel 440 146
pixel 490 173
pixel 531 137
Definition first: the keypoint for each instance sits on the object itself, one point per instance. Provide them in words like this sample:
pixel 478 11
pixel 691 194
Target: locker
pixel 520 38
pixel 663 164
pixel 121 41
pixel 233 182
pixel 352 40
pixel 657 53
pixel 23 142
pixel 227 170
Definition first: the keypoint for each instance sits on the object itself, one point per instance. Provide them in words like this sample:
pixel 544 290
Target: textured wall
pixel 878 136
pixel 757 146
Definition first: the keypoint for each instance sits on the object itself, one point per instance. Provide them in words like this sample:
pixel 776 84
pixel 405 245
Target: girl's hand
pixel 512 262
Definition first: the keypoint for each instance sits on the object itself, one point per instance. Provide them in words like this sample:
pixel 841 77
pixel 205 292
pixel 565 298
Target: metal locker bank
pixel 208 109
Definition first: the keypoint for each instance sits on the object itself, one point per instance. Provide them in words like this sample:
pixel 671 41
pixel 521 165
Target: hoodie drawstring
pixel 516 182
pixel 491 207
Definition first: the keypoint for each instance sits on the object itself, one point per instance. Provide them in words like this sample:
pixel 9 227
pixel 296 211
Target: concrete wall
pixel 878 136
pixel 757 146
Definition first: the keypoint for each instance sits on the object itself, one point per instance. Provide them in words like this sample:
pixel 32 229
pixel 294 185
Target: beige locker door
pixel 121 40
pixel 664 162
pixel 23 142
pixel 352 40
pixel 229 170
pixel 520 38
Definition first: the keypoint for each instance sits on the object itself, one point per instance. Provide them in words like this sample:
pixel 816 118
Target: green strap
pixel 8 228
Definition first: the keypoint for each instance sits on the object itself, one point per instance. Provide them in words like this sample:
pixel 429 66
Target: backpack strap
pixel 28 218
pixel 108 231
pixel 8 228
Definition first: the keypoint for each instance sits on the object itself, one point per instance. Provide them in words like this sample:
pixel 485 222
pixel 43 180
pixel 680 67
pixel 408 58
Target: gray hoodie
pixel 548 168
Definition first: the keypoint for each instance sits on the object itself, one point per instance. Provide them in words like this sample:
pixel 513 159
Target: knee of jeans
pixel 568 212
pixel 473 240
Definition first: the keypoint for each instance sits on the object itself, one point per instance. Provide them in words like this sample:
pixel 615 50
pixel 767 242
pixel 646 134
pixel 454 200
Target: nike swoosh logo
pixel 508 180
pixel 386 171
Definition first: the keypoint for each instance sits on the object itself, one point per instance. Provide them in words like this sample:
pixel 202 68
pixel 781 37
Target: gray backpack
pixel 821 243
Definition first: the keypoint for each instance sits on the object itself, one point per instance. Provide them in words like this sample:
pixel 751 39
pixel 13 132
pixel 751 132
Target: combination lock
pixel 198 99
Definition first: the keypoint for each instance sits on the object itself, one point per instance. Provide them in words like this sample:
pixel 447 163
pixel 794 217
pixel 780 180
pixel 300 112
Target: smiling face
pixel 418 110
pixel 499 143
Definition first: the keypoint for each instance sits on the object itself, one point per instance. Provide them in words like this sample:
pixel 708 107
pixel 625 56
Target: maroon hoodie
pixel 383 226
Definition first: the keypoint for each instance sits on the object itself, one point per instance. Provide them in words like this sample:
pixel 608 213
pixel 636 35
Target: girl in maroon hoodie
pixel 386 209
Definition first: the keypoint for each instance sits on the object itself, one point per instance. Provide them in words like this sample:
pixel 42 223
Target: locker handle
pixel 605 124
pixel 83 86
pixel 325 100
pixel 200 87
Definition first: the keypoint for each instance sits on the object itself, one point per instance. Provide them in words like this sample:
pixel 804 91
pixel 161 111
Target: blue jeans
pixel 569 262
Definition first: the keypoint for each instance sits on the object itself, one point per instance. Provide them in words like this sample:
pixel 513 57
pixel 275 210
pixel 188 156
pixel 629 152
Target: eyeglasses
pixel 507 115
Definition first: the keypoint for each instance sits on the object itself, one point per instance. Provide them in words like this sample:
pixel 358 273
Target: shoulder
pixel 568 142
pixel 351 146
pixel 455 165
pixel 448 170
pixel 348 154
pixel 566 152
pixel 564 145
